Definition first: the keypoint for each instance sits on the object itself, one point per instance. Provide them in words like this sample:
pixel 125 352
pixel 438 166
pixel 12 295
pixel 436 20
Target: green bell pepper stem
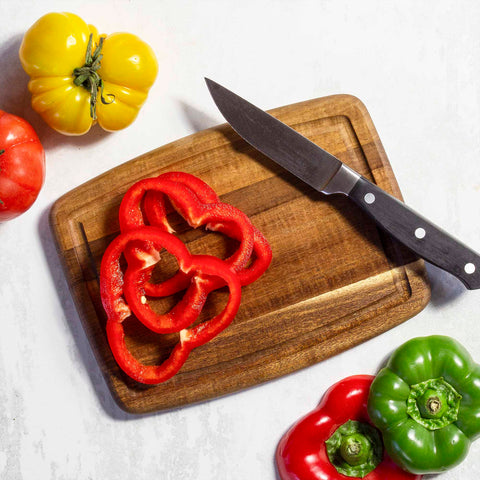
pixel 433 403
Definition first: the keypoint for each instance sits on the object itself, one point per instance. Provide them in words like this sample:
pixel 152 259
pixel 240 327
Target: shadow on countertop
pixel 74 324
pixel 15 97
pixel 445 288
pixel 197 119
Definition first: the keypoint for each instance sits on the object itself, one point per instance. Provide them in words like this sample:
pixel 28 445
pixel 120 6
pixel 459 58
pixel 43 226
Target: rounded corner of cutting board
pixel 349 99
pixel 57 208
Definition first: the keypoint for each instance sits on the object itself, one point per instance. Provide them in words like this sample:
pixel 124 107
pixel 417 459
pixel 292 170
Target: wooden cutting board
pixel 335 280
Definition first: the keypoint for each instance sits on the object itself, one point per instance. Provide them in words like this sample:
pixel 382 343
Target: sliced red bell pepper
pixel 183 314
pixel 117 308
pixel 155 209
pixel 262 255
pixel 154 202
pixel 337 440
pixel 156 213
pixel 196 213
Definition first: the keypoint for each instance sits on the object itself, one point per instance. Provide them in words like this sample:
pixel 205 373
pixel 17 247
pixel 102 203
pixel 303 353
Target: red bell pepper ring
pixel 156 213
pixel 154 203
pixel 194 211
pixel 183 314
pixel 262 254
pixel 117 309
pixel 302 453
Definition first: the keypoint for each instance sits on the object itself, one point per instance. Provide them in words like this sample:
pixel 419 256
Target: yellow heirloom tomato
pixel 79 77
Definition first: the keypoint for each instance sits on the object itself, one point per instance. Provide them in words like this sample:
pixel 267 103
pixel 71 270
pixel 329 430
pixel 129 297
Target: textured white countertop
pixel 415 65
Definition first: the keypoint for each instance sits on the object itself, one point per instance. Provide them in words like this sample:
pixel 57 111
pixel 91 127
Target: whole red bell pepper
pixel 337 440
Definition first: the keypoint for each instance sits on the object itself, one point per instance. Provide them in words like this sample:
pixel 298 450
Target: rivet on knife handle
pixel 420 235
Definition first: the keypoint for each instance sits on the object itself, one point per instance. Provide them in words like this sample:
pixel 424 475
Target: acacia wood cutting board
pixel 335 280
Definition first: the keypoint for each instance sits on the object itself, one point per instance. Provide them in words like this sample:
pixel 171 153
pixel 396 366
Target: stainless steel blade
pixel 278 141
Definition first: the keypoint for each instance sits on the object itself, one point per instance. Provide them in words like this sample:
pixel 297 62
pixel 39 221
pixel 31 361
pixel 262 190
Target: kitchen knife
pixel 329 175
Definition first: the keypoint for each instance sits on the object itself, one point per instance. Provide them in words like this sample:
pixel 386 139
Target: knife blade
pixel 327 174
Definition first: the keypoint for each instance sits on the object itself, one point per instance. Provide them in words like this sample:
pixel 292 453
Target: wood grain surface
pixel 335 280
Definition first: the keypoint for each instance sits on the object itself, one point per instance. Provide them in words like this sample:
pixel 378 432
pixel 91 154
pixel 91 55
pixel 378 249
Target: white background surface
pixel 415 65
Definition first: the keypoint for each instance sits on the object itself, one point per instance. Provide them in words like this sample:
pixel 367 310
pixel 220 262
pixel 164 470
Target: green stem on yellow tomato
pixel 88 77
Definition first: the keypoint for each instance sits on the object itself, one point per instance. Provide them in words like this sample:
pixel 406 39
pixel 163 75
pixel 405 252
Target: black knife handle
pixel 424 238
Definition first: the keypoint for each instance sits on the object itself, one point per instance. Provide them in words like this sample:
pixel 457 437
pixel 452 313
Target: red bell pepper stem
pixel 112 291
pixel 302 453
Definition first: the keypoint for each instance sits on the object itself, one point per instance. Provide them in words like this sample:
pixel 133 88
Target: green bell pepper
pixel 426 403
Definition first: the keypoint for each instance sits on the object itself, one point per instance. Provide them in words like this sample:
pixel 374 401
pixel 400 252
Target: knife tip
pixel 210 83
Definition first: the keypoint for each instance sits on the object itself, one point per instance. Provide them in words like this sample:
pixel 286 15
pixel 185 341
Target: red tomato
pixel 22 166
